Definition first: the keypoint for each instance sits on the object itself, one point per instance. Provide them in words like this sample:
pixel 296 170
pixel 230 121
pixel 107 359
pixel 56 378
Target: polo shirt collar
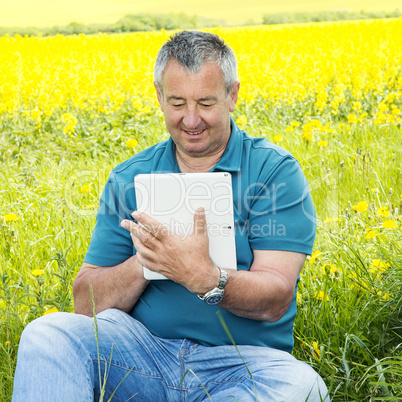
pixel 231 158
pixel 169 163
pixel 229 162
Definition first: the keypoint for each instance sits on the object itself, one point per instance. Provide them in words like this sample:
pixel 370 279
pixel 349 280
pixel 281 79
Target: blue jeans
pixel 58 361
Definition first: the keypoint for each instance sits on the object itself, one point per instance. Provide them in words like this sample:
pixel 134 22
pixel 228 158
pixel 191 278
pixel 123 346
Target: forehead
pixel 176 80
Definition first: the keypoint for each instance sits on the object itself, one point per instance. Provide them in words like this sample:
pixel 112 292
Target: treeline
pixel 334 15
pixel 129 23
pixel 152 22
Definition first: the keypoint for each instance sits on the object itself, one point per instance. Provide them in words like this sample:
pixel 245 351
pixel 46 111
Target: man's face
pixel 196 108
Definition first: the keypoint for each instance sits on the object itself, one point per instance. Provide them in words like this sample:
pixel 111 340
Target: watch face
pixel 214 299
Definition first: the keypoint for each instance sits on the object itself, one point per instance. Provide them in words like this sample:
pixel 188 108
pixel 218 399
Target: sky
pixel 45 13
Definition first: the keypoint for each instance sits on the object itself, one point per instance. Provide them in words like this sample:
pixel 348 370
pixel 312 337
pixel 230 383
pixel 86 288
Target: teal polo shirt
pixel 273 210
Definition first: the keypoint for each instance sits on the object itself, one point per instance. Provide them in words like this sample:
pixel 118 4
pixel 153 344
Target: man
pixel 162 340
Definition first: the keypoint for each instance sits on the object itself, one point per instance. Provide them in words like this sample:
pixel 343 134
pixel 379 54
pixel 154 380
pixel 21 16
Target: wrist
pixel 215 295
pixel 211 282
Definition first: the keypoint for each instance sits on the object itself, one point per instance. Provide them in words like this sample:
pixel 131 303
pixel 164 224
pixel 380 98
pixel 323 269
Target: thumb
pixel 200 223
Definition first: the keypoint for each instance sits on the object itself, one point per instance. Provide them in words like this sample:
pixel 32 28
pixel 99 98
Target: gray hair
pixel 192 49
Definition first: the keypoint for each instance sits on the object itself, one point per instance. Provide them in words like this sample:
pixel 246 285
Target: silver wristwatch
pixel 215 295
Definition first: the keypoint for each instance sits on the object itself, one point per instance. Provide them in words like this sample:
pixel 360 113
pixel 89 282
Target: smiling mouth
pixel 194 132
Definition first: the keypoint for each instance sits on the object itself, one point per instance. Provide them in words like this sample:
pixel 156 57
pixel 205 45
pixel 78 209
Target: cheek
pixel 215 119
pixel 172 118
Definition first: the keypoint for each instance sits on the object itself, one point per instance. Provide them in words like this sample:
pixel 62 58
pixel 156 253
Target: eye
pixel 207 105
pixel 177 104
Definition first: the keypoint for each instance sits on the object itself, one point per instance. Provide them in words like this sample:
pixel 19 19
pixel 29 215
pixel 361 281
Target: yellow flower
pixel 315 123
pixel 382 107
pixel 384 296
pixel 383 211
pixel 314 256
pixel 10 217
pixel 37 272
pixel 332 220
pixel 85 189
pixel 35 114
pixel 316 351
pixel 307 135
pixel 361 206
pixel 132 143
pixel 352 118
pixel 378 265
pixel 322 143
pixel 390 224
pixel 289 129
pixel 329 269
pixel 137 104
pixel 70 122
pixel 371 234
pixel 295 124
pixel 320 295
pixel 51 310
pixel 277 138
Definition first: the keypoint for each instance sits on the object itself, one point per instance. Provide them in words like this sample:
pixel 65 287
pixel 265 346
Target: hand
pixel 183 260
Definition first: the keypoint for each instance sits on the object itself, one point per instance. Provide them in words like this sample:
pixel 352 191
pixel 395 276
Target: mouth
pixel 194 133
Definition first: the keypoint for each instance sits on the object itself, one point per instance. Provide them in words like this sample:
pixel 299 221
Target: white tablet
pixel 172 199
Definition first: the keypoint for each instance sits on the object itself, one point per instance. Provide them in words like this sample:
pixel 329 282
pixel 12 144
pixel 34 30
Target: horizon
pixel 47 13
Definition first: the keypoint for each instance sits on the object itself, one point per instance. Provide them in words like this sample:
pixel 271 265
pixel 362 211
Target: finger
pixel 139 246
pixel 142 248
pixel 145 262
pixel 128 225
pixel 145 252
pixel 137 232
pixel 143 235
pixel 200 223
pixel 159 231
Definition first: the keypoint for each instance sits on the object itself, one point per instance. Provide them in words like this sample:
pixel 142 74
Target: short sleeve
pixel 110 243
pixel 281 210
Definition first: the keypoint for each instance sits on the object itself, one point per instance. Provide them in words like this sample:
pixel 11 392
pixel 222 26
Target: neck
pixel 189 164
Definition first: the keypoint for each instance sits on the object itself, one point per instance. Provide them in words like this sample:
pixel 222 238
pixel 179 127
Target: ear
pixel 234 95
pixel 159 96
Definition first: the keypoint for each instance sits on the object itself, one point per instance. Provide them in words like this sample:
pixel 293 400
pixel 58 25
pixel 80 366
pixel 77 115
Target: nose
pixel 191 119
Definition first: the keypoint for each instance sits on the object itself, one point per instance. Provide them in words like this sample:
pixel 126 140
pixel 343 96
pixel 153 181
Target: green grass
pixel 354 324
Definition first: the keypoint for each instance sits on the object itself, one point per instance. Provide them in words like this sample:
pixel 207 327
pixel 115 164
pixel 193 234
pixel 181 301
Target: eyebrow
pixel 172 97
pixel 206 98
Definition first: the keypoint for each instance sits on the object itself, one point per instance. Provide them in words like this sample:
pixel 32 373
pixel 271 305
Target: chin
pixel 196 151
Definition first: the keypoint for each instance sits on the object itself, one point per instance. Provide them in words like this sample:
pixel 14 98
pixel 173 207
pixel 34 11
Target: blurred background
pixel 48 13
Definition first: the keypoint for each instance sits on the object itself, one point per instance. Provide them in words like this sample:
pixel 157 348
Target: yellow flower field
pixel 331 69
pixel 72 108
